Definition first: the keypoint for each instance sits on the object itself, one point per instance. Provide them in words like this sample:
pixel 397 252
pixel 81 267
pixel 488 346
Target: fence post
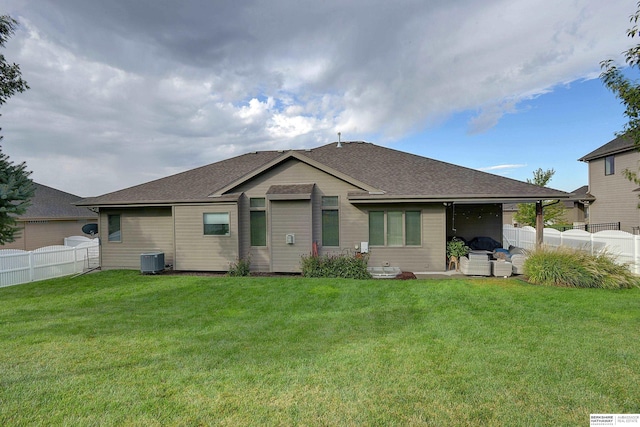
pixel 31 269
pixel 636 253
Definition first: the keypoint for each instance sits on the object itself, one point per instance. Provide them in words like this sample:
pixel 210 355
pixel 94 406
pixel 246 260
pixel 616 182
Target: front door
pixel 290 234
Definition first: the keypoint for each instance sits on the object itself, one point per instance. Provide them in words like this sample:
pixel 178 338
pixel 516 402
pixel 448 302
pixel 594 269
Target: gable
pixel 294 172
pixel 236 186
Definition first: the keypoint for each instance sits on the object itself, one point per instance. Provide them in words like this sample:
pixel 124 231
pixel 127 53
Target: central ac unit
pixel 152 262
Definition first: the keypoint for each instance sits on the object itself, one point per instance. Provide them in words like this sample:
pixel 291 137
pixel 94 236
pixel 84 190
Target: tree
pixel 626 89
pixel 16 188
pixel 553 210
pixel 10 75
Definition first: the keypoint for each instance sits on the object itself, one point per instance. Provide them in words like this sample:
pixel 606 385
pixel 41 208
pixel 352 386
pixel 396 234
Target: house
pixel 275 206
pixel 616 198
pixel 576 208
pixel 51 217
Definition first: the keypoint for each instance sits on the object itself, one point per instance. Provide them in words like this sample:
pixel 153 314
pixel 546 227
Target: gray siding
pixel 196 251
pixel 290 217
pixel 354 222
pixel 616 198
pixel 296 172
pixel 429 256
pixel 142 230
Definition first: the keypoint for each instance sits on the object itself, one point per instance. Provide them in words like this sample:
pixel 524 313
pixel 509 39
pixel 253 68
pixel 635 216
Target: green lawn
pixel 118 348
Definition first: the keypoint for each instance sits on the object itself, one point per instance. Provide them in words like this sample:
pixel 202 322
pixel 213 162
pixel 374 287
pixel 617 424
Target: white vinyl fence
pixel 18 266
pixel 622 245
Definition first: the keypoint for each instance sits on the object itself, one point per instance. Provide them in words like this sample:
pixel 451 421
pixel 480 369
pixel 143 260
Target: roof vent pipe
pixel 339 143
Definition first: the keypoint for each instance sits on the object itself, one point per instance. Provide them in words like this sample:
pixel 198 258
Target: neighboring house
pixel 576 208
pixel 616 198
pixel 51 217
pixel 275 206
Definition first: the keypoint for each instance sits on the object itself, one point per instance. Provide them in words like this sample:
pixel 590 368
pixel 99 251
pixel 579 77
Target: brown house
pixel 51 217
pixel 275 206
pixel 616 198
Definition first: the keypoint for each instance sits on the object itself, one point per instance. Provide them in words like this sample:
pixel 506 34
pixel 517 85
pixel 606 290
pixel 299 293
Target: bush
pixel 574 268
pixel 342 266
pixel 457 248
pixel 241 267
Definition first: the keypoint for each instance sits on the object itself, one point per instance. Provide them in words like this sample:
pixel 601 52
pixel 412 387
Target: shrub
pixel 342 266
pixel 457 248
pixel 241 267
pixel 575 268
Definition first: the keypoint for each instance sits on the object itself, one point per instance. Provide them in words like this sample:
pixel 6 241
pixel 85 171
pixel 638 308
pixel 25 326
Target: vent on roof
pixel 339 142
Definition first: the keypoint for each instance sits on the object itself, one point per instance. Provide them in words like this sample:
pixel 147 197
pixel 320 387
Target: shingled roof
pixel 380 173
pixel 49 203
pixel 615 146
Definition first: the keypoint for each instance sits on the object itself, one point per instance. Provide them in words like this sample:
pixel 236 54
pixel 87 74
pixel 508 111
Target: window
pixel 257 202
pixel 258 221
pixel 330 221
pixel 376 228
pixel 115 234
pixel 216 224
pixel 412 229
pixel 609 164
pixel 395 228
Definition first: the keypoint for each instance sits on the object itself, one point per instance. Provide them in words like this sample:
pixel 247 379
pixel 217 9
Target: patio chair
pixel 517 262
pixel 475 266
pixel 501 268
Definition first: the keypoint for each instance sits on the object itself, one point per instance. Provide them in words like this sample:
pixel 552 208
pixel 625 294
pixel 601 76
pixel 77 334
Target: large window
pixel 609 165
pixel 216 224
pixel 395 228
pixel 330 221
pixel 115 234
pixel 258 221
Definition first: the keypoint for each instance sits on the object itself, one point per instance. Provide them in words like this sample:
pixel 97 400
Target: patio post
pixel 539 224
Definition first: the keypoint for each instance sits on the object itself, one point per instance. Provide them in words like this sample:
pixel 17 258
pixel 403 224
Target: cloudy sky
pixel 126 91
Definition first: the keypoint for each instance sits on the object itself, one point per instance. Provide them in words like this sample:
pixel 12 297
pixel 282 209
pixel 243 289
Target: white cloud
pixel 502 167
pixel 149 91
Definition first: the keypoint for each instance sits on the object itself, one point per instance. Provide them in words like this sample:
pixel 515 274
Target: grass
pixel 118 348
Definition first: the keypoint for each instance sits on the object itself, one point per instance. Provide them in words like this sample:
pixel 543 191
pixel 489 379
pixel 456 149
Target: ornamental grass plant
pixel 575 268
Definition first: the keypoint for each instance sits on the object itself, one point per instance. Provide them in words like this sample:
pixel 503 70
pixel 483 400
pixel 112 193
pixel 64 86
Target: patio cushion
pixel 501 268
pixel 475 267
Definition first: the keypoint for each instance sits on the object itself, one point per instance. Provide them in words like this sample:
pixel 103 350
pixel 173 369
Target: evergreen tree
pixel 16 188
